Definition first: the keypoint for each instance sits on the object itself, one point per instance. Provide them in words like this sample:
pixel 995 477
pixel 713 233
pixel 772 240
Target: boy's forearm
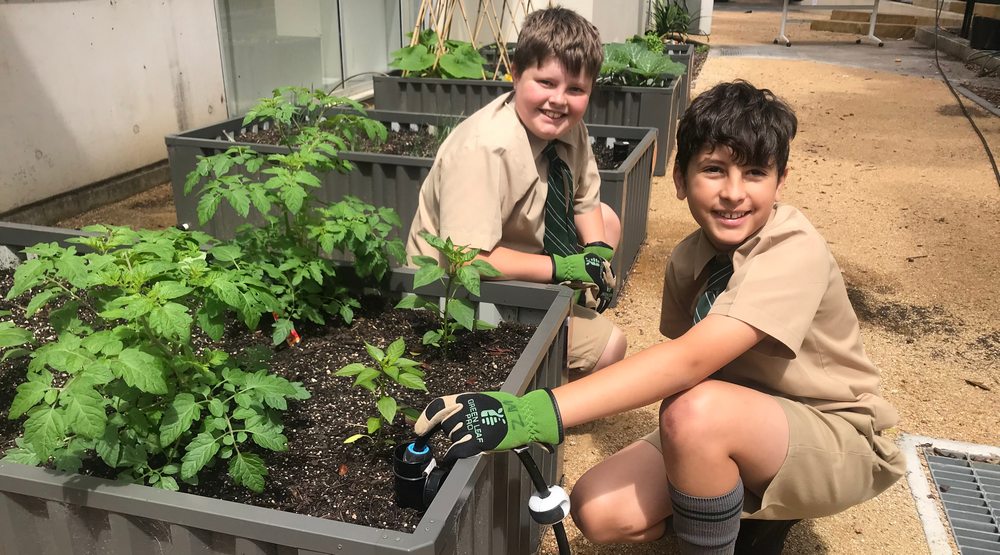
pixel 590 226
pixel 514 264
pixel 657 372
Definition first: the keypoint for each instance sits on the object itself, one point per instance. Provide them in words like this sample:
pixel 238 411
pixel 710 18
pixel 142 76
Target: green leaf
pixel 216 407
pixel 168 290
pixel 351 439
pixel 248 470
pixel 40 300
pixel 44 429
pixel 427 275
pixel 271 440
pixel 109 447
pixel 141 370
pixel 387 408
pixel 22 455
pixel 415 302
pixel 103 341
pixel 225 253
pixel 374 424
pixel 85 412
pixel 168 483
pixel 462 311
pixel 182 412
pixel 485 268
pixel 282 329
pixel 412 381
pixel 201 450
pixel 395 349
pixel 469 278
pixel 28 395
pixel 171 321
pixel 352 369
pixel 374 352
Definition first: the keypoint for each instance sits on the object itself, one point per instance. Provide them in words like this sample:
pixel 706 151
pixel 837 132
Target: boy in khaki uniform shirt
pixel 770 408
pixel 488 186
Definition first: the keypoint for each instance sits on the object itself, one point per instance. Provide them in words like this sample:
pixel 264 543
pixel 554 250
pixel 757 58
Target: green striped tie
pixel 560 231
pixel 720 269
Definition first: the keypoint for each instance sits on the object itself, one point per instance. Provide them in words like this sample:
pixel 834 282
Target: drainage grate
pixel 969 488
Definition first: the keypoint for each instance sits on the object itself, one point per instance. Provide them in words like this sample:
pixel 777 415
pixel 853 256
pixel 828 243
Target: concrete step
pixel 894 18
pixel 953 6
pixel 882 30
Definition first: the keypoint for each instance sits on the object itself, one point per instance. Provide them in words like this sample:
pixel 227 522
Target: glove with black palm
pixel 492 421
pixel 586 268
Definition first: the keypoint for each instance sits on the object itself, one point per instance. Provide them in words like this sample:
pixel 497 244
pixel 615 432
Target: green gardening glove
pixel 600 248
pixel 586 267
pixel 493 421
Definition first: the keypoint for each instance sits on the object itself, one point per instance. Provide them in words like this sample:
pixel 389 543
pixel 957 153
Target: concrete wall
pixel 89 88
pixel 616 21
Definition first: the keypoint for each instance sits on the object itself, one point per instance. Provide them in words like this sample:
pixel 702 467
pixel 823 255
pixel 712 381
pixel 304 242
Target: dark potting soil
pixel 424 143
pixel 320 475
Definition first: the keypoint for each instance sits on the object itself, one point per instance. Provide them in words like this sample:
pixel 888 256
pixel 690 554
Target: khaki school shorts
pixel 589 333
pixel 830 466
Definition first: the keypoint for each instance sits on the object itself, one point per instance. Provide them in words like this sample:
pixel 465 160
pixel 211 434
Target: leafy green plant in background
pixel 462 270
pixel 671 19
pixel 299 234
pixel 123 377
pixel 633 64
pixel 390 367
pixel 432 57
pixel 650 40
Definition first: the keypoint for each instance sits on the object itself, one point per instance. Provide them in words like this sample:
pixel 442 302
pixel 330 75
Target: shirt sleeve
pixel 468 181
pixel 778 290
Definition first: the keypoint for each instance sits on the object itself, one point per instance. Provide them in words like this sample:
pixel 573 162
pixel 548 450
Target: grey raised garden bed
pixel 394 181
pixel 609 105
pixel 481 508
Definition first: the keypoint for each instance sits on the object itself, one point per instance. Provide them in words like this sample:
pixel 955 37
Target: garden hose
pixel 418 479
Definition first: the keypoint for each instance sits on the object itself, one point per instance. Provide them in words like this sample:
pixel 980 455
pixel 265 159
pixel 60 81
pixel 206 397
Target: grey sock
pixel 707 524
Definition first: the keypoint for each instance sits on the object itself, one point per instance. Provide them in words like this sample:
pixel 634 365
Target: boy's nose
pixel 734 188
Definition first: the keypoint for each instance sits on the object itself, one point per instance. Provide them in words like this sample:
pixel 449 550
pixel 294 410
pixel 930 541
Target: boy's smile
pixel 548 100
pixel 729 201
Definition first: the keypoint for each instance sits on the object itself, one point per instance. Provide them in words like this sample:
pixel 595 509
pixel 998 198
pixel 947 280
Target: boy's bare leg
pixel 612 226
pixel 712 434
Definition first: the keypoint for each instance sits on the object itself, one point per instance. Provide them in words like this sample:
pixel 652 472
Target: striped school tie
pixel 560 232
pixel 720 269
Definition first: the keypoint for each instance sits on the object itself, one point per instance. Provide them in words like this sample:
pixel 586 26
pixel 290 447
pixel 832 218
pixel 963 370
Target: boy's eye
pixel 758 172
pixel 712 169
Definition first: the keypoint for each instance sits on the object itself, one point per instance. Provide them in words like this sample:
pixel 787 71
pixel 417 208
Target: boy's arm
pixel 514 264
pixel 590 226
pixel 657 372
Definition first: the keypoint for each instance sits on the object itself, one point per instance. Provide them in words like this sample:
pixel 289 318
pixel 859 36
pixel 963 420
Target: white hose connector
pixel 552 508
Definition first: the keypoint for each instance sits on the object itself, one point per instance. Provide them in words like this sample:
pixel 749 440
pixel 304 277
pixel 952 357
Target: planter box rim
pixel 498 82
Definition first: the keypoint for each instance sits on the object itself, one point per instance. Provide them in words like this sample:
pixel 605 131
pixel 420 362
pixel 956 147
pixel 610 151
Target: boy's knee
pixel 692 415
pixel 612 226
pixel 599 521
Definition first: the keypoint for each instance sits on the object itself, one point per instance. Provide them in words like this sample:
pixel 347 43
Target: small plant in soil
pixel 461 269
pixel 123 377
pixel 391 367
pixel 293 247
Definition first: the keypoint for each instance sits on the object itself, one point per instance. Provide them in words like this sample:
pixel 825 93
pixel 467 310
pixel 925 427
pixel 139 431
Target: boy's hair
pixel 561 33
pixel 754 123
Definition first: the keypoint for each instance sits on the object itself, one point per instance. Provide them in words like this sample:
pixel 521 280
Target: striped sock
pixel 707 524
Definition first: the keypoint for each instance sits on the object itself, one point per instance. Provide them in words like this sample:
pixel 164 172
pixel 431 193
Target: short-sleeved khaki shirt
pixel 488 184
pixel 787 284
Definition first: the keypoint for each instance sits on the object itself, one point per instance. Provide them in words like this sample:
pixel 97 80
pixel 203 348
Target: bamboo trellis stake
pixel 439 15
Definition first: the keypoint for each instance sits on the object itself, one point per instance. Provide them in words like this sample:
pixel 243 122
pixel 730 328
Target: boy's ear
pixel 680 183
pixel 781 184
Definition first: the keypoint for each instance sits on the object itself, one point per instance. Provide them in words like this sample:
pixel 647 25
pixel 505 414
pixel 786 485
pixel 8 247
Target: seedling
pixel 461 269
pixel 390 367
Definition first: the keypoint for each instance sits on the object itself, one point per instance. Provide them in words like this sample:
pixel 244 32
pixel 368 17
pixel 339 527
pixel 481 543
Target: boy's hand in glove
pixel 600 248
pixel 586 267
pixel 493 421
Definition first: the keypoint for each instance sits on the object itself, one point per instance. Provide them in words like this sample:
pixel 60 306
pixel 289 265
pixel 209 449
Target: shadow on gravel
pixel 905 319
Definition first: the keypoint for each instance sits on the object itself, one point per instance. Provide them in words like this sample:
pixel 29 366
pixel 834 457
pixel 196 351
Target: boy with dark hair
pixel 770 407
pixel 518 180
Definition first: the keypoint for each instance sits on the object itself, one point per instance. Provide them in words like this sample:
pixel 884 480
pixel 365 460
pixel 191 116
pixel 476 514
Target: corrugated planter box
pixel 394 181
pixel 609 105
pixel 481 508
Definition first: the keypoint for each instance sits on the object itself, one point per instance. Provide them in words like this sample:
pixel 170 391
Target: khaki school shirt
pixel 488 184
pixel 786 284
